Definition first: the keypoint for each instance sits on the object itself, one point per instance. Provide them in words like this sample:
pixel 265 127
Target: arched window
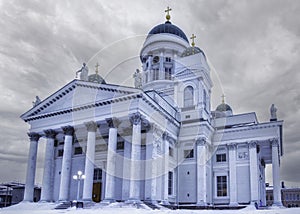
pixel 188 96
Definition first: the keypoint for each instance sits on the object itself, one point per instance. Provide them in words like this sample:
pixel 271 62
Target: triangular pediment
pixel 77 94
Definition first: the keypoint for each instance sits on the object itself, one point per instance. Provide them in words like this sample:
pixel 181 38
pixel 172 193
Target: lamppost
pixel 78 177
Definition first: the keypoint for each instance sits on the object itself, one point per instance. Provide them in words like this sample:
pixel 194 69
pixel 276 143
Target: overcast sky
pixel 253 48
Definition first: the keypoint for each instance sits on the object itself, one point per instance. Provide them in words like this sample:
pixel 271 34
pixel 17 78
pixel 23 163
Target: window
pixel 170 183
pixel 171 151
pixel 221 157
pixel 78 151
pixel 168 73
pixel 97 174
pixel 189 153
pixel 120 145
pixel 221 186
pixel 168 59
pixel 188 96
pixel 60 153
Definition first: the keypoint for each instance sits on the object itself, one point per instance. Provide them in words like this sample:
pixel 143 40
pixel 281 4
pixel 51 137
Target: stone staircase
pixel 151 205
pixel 63 205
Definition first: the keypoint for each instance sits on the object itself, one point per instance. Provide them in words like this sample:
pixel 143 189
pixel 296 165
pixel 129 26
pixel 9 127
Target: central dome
pixel 168 27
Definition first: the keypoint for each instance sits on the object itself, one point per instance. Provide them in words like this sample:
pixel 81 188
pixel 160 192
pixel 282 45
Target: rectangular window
pixel 97 174
pixel 189 153
pixel 120 145
pixel 78 151
pixel 170 183
pixel 60 153
pixel 221 186
pixel 171 151
pixel 168 73
pixel 221 157
pixel 155 74
pixel 168 59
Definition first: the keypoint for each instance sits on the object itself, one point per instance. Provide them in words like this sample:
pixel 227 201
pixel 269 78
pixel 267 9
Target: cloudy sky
pixel 253 48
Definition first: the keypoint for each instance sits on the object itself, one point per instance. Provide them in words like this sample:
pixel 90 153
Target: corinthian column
pixel 111 160
pixel 134 193
pixel 66 164
pixel 89 161
pixel 201 172
pixel 47 187
pixel 276 173
pixel 253 171
pixel 31 166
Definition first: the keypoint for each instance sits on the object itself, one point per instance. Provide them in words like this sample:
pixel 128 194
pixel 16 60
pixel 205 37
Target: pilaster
pixel 254 171
pixel 201 171
pixel 232 175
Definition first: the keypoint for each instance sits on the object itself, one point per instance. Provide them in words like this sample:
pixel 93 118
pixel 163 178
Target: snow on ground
pixel 45 208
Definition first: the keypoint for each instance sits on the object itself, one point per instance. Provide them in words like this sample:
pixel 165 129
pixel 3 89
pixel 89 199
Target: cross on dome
pixel 96 66
pixel 223 98
pixel 168 17
pixel 193 39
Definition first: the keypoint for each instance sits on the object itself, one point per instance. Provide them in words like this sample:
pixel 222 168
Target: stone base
pixel 133 201
pixel 277 205
pixel 164 202
pixel 234 204
pixel 201 204
pixel 107 201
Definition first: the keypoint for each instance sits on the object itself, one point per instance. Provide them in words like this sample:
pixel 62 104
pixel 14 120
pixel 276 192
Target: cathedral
pixel 158 142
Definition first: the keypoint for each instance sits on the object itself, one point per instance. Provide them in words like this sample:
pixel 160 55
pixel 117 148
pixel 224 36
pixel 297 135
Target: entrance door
pixel 97 192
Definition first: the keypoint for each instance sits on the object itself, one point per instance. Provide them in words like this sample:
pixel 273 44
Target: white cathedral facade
pixel 159 141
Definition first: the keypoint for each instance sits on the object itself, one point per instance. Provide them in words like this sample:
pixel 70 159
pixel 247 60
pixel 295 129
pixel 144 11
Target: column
pixel 232 175
pixel 89 161
pixel 134 193
pixel 111 160
pixel 166 167
pixel 66 164
pixel 253 171
pixel 276 173
pixel 47 186
pixel 148 162
pixel 31 166
pixel 201 172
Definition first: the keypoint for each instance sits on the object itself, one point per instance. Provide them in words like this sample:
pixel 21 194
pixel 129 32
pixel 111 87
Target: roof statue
pixel 273 111
pixel 84 71
pixel 37 101
pixel 137 79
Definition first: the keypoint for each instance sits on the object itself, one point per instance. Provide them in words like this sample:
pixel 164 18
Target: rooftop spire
pixel 193 39
pixel 168 17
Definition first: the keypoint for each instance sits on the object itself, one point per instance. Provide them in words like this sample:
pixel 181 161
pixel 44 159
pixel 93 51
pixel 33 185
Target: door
pixel 97 191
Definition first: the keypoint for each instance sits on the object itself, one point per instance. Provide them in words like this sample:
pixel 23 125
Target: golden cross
pixel 97 65
pixel 193 39
pixel 168 17
pixel 223 98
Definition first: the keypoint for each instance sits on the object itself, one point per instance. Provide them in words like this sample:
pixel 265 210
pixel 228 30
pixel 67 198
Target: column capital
pixel 274 142
pixel 231 146
pixel 91 126
pixel 201 141
pixel 113 122
pixel 50 133
pixel 165 136
pixel 252 144
pixel 135 118
pixel 68 130
pixel 146 124
pixel 33 136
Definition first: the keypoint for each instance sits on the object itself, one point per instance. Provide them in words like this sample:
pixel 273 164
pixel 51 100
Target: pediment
pixel 77 94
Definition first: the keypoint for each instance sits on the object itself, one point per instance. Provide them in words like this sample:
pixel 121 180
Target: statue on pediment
pixel 137 79
pixel 84 71
pixel 273 111
pixel 36 102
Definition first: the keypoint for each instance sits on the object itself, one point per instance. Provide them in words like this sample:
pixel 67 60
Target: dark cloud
pixel 253 48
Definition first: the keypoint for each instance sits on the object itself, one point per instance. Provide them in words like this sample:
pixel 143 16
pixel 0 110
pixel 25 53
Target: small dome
pixel 96 78
pixel 168 27
pixel 223 107
pixel 191 51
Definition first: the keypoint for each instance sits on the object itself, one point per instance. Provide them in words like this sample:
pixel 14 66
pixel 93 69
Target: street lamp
pixel 78 177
